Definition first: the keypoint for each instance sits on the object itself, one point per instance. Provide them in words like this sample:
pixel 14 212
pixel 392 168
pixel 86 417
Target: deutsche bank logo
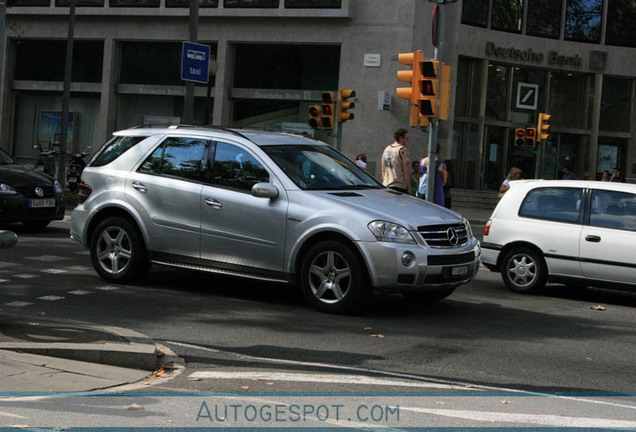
pixel 195 62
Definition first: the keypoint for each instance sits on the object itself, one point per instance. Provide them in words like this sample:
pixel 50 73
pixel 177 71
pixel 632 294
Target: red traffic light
pixel 520 133
pixel 313 111
pixel 326 110
pixel 427 88
pixel 530 132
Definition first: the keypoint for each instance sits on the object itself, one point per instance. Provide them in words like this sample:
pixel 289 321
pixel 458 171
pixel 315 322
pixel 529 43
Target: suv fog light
pixel 407 258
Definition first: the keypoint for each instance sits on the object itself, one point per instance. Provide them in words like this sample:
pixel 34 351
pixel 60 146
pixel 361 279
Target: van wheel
pixel 118 251
pixel 333 278
pixel 523 270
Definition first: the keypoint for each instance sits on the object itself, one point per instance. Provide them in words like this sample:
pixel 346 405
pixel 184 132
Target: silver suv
pixel 267 206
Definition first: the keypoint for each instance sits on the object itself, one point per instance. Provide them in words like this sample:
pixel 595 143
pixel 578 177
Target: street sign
pixel 195 61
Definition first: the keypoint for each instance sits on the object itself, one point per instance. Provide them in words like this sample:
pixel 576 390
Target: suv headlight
pixel 468 228
pixel 5 189
pixel 390 232
pixel 58 188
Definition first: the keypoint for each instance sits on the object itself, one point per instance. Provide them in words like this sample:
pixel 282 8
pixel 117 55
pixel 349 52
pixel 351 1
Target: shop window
pixel 300 67
pixel 30 3
pixel 583 20
pixel 507 15
pixel 134 3
pixel 313 4
pixel 251 3
pixel 475 12
pixel 615 104
pixel 497 94
pixel 544 18
pixel 186 3
pixel 80 3
pixel 621 23
pixel 44 60
pixel 568 100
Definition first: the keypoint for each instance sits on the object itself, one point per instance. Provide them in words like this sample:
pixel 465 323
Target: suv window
pixel 235 168
pixel 114 148
pixel 557 204
pixel 179 157
pixel 613 210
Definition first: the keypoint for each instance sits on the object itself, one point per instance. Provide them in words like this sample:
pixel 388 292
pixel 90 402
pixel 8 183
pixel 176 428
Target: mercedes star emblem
pixel 452 236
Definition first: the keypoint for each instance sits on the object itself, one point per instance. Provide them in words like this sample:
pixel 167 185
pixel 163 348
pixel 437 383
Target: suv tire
pixel 118 251
pixel 523 270
pixel 333 278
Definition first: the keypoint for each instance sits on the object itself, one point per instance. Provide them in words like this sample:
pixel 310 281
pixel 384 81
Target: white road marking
pixel 7 265
pixel 47 258
pixel 54 271
pixel 18 304
pixel 80 292
pixel 537 419
pixel 79 268
pixel 107 288
pixel 4 280
pixel 317 378
pixel 26 276
pixel 51 298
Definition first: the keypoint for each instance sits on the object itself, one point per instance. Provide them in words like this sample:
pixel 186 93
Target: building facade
pixel 511 60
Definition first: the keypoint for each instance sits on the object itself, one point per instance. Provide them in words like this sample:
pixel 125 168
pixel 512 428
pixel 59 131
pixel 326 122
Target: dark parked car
pixel 27 195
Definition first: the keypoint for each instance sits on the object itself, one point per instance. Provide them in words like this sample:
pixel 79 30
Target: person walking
pixel 605 176
pixel 616 176
pixel 569 174
pixel 441 176
pixel 361 160
pixel 513 174
pixel 415 177
pixel 450 183
pixel 396 167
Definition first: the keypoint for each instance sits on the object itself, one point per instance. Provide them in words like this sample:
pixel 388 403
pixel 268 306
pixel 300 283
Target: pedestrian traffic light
pixel 544 128
pixel 520 137
pixel 531 137
pixel 444 92
pixel 413 76
pixel 344 105
pixel 326 110
pixel 314 120
pixel 429 90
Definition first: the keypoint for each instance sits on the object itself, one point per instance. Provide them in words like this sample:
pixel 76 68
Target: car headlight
pixel 390 232
pixel 58 188
pixel 5 189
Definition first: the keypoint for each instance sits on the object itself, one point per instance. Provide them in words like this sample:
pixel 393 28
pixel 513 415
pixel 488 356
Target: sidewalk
pixel 40 354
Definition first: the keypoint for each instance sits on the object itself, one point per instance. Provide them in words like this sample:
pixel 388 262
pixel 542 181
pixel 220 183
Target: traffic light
pixel 520 137
pixel 444 92
pixel 531 137
pixel 429 90
pixel 413 76
pixel 344 105
pixel 326 110
pixel 544 128
pixel 314 120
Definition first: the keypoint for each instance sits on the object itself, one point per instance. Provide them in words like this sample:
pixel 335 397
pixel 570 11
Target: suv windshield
pixel 315 167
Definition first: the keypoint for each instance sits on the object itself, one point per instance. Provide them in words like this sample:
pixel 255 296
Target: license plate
pixel 459 271
pixel 39 203
pixel 72 179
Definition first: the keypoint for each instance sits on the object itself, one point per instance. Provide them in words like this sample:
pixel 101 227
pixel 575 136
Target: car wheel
pixel 429 296
pixel 118 251
pixel 333 278
pixel 36 225
pixel 524 271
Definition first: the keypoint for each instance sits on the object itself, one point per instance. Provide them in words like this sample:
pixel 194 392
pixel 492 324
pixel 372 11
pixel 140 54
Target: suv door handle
pixel 213 203
pixel 140 187
pixel 593 238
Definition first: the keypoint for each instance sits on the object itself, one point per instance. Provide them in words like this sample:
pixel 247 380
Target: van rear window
pixel 114 148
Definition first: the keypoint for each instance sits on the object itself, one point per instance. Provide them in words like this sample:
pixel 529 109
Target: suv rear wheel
pixel 118 251
pixel 333 278
pixel 523 270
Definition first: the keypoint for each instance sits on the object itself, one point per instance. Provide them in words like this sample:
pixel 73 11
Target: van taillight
pixel 487 227
pixel 83 192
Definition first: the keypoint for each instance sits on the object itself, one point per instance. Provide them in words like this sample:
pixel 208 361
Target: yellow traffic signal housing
pixel 344 105
pixel 445 92
pixel 520 137
pixel 544 128
pixel 326 110
pixel 531 137
pixel 314 120
pixel 413 76
pixel 429 89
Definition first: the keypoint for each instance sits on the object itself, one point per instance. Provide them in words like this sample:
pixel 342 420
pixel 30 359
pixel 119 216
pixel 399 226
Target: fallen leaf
pixel 368 328
pixel 245 387
pixel 588 358
pixel 440 403
pixel 34 324
pixel 377 335
pixel 194 379
pixel 504 402
pixel 135 407
pixel 161 373
pixel 41 313
pixel 254 379
pixel 147 383
pixel 270 383
pixel 159 352
pixel 598 307
pixel 169 421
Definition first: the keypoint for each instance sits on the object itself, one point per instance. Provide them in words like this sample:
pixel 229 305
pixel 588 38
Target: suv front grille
pixel 444 236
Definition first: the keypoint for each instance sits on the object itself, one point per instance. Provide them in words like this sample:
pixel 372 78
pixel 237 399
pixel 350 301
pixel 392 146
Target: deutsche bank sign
pixel 195 61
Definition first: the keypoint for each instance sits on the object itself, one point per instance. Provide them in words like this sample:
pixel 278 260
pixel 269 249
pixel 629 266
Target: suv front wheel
pixel 118 251
pixel 523 270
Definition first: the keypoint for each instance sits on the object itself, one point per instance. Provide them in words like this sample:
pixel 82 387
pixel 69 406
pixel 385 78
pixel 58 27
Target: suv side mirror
pixel 264 190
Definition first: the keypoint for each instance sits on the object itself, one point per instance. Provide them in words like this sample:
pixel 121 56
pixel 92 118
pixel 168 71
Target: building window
pixel 583 20
pixel 475 12
pixel 251 3
pixel 44 60
pixel 31 3
pixel 134 3
pixel 497 94
pixel 468 87
pixel 186 3
pixel 544 18
pixel 313 4
pixel 615 104
pixel 507 15
pixel 80 3
pixel 621 23
pixel 568 99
